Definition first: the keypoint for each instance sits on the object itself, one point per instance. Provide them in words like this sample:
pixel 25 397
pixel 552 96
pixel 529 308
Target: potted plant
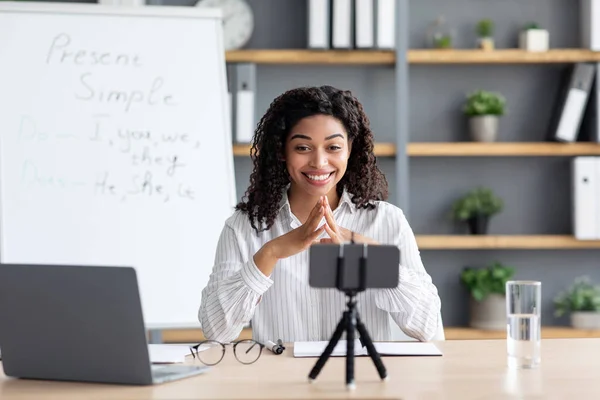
pixel 582 301
pixel 484 108
pixel 487 289
pixel 442 41
pixel 533 38
pixel 485 34
pixel 439 34
pixel 475 208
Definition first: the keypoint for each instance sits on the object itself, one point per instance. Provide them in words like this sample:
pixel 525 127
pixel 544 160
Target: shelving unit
pixel 414 56
pixel 515 242
pixel 410 147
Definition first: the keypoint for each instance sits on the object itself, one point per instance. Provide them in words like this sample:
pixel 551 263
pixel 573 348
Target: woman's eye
pixel 302 148
pixel 335 147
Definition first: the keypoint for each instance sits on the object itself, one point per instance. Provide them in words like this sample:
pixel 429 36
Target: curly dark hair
pixel 362 179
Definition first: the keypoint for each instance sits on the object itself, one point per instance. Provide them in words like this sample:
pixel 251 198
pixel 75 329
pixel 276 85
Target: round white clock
pixel 238 21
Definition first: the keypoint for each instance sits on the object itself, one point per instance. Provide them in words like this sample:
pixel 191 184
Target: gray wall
pixel 535 189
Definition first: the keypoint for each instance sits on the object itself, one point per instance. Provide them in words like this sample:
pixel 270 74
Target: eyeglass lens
pixel 210 352
pixel 247 351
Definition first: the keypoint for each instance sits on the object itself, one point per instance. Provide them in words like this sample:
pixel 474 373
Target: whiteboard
pixel 115 144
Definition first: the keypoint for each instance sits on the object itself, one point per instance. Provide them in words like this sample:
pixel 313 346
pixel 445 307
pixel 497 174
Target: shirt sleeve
pixel 233 290
pixel 414 304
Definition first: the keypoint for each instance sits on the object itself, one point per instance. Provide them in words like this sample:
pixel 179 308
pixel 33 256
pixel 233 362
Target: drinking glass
pixel 523 326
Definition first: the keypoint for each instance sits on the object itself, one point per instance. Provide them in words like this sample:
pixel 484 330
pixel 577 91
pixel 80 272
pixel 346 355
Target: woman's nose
pixel 318 160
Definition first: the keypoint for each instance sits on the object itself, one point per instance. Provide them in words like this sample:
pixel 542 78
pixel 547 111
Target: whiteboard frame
pixel 103 9
pixel 143 11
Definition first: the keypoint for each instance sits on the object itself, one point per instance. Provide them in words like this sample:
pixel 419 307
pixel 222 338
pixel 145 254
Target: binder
pixel 342 24
pixel 386 23
pixel 572 102
pixel 586 198
pixel 590 24
pixel 245 95
pixel 597 198
pixel 230 71
pixel 318 24
pixel 364 30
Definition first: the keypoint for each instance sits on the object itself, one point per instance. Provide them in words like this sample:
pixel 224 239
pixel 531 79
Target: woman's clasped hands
pixel 304 236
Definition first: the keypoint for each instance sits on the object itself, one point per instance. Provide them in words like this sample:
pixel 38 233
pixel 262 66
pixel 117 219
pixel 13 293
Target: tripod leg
pixel 337 334
pixel 351 320
pixel 362 330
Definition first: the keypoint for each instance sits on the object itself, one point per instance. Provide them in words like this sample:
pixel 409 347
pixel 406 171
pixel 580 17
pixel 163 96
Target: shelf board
pixel 500 56
pixel 502 149
pixel 548 332
pixel 414 56
pixel 381 150
pixel 473 149
pixel 548 242
pixel 359 57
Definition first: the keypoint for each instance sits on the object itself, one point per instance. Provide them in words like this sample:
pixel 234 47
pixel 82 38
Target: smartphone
pixel 382 263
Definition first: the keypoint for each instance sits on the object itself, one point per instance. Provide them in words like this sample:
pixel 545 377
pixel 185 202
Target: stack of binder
pixel 350 24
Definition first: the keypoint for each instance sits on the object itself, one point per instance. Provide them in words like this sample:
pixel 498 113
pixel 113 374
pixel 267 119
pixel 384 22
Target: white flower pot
pixel 585 320
pixel 534 40
pixel 484 128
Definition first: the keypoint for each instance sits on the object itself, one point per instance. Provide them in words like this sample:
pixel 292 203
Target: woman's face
pixel 316 154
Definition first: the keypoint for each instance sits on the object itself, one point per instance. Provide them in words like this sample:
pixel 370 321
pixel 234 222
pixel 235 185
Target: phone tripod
pixel 349 323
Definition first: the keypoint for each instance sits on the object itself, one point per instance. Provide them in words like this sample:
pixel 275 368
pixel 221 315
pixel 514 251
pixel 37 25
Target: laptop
pixel 77 323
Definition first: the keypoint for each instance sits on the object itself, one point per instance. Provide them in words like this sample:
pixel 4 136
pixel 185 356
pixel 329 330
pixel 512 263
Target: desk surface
pixel 468 370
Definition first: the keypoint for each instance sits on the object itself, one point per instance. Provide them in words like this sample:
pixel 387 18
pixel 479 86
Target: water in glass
pixel 523 340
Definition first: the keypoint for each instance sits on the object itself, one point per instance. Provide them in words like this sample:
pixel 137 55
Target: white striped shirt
pixel 284 306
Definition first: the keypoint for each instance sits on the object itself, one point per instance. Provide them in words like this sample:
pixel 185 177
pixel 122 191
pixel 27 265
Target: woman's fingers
pixel 313 236
pixel 333 235
pixel 316 210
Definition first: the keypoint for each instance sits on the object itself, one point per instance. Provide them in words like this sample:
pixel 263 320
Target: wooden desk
pixel 468 370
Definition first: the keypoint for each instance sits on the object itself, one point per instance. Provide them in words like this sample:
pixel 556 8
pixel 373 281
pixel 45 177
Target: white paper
pixel 168 353
pixel 315 349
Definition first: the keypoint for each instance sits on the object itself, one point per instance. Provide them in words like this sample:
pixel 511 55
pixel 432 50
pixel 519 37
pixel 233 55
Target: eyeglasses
pixel 211 352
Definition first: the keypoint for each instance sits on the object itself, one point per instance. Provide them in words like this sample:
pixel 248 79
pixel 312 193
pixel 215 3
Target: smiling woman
pixel 315 179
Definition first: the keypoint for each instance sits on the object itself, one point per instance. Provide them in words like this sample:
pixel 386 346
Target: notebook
pixel 315 349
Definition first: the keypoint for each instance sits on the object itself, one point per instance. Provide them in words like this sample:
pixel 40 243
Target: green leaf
pixel 478 201
pixel 483 281
pixel 482 102
pixel 582 295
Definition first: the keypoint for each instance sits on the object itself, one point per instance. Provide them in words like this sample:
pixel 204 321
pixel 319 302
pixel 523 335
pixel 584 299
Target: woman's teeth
pixel 318 177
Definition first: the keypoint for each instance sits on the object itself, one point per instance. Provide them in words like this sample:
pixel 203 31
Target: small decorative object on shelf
pixel 487 288
pixel 485 34
pixel 534 38
pixel 582 301
pixel 484 109
pixel 476 208
pixel 439 35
